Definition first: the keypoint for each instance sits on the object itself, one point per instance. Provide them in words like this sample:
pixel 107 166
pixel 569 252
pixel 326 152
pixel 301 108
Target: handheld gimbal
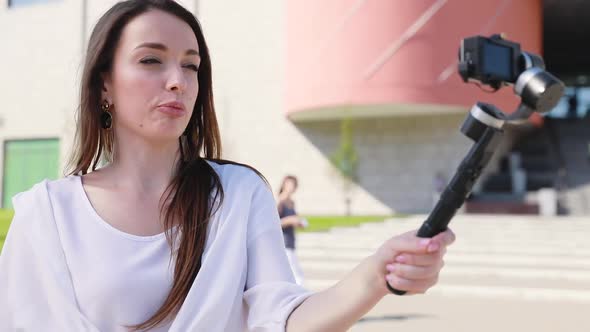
pixel 495 62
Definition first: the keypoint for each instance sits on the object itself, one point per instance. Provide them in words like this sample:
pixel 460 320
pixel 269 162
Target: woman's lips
pixel 174 109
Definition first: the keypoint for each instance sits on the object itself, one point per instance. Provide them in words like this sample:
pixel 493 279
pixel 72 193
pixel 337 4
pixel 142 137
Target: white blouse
pixel 63 268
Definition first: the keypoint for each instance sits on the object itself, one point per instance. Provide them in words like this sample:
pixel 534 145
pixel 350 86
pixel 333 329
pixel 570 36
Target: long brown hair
pixel 195 184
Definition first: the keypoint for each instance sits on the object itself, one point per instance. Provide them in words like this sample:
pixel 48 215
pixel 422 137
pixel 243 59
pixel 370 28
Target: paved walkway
pixel 504 273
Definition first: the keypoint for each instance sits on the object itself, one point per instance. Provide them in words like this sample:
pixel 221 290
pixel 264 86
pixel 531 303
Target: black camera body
pixel 491 61
pixel 494 61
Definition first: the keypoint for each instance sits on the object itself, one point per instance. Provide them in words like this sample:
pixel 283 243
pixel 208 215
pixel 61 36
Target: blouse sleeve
pixel 271 292
pixel 36 289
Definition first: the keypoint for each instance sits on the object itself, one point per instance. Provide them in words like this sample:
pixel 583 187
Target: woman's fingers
pixel 415 272
pixel 411 263
pixel 421 260
pixel 408 242
pixel 417 286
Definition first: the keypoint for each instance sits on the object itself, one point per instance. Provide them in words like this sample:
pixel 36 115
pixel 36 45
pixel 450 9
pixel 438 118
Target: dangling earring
pixel 106 118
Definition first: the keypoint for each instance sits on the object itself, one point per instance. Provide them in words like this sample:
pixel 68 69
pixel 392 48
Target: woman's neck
pixel 144 166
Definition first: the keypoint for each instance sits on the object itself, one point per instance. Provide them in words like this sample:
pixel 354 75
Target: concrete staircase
pixel 538 159
pixel 554 156
pixel 574 145
pixel 515 266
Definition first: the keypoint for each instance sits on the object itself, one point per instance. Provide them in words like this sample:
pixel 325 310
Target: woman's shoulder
pixel 236 175
pixel 46 189
pixel 243 186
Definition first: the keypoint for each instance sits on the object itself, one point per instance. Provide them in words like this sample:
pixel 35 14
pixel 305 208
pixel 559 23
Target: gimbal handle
pixel 483 125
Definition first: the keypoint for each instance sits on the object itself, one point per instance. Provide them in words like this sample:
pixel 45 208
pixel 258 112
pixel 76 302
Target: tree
pixel 345 160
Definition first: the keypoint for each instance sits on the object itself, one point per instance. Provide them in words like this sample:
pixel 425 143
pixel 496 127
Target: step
pixel 499 182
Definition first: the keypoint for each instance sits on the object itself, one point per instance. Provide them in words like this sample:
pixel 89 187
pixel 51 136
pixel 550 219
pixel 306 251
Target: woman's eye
pixel 192 67
pixel 149 61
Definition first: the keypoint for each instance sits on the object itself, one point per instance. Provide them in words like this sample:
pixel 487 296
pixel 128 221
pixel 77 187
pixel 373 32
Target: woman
pixel 165 236
pixel 289 221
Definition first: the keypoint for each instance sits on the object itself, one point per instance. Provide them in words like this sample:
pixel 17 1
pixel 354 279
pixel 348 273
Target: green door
pixel 27 162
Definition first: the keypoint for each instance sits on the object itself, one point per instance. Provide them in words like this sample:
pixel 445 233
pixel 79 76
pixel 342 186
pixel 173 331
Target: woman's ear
pixel 106 89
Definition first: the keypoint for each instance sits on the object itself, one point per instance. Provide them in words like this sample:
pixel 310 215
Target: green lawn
pixel 324 223
pixel 5 217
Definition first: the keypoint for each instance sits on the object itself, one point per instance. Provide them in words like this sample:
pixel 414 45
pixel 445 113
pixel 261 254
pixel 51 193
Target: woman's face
pixel 153 83
pixel 289 187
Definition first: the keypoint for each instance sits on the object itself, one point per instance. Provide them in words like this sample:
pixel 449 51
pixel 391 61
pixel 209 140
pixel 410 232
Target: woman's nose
pixel 176 80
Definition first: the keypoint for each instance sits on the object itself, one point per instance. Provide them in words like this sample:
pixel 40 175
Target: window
pixel 27 162
pixel 19 3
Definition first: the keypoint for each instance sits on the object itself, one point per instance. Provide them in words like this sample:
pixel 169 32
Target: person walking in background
pixel 289 221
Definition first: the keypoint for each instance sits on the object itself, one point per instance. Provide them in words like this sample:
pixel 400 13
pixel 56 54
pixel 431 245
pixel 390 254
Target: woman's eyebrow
pixel 162 47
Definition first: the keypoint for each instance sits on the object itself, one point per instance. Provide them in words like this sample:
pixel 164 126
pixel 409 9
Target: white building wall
pixel 40 57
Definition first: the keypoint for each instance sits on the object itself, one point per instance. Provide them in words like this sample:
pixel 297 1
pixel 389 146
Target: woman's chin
pixel 157 135
pixel 167 132
pixel 160 138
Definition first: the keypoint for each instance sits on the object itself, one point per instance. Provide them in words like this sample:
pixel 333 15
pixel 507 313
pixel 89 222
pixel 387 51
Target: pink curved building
pixel 386 58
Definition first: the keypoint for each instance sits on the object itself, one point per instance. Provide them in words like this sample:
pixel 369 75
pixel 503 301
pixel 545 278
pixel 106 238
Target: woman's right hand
pixel 298 222
pixel 293 221
pixel 410 263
